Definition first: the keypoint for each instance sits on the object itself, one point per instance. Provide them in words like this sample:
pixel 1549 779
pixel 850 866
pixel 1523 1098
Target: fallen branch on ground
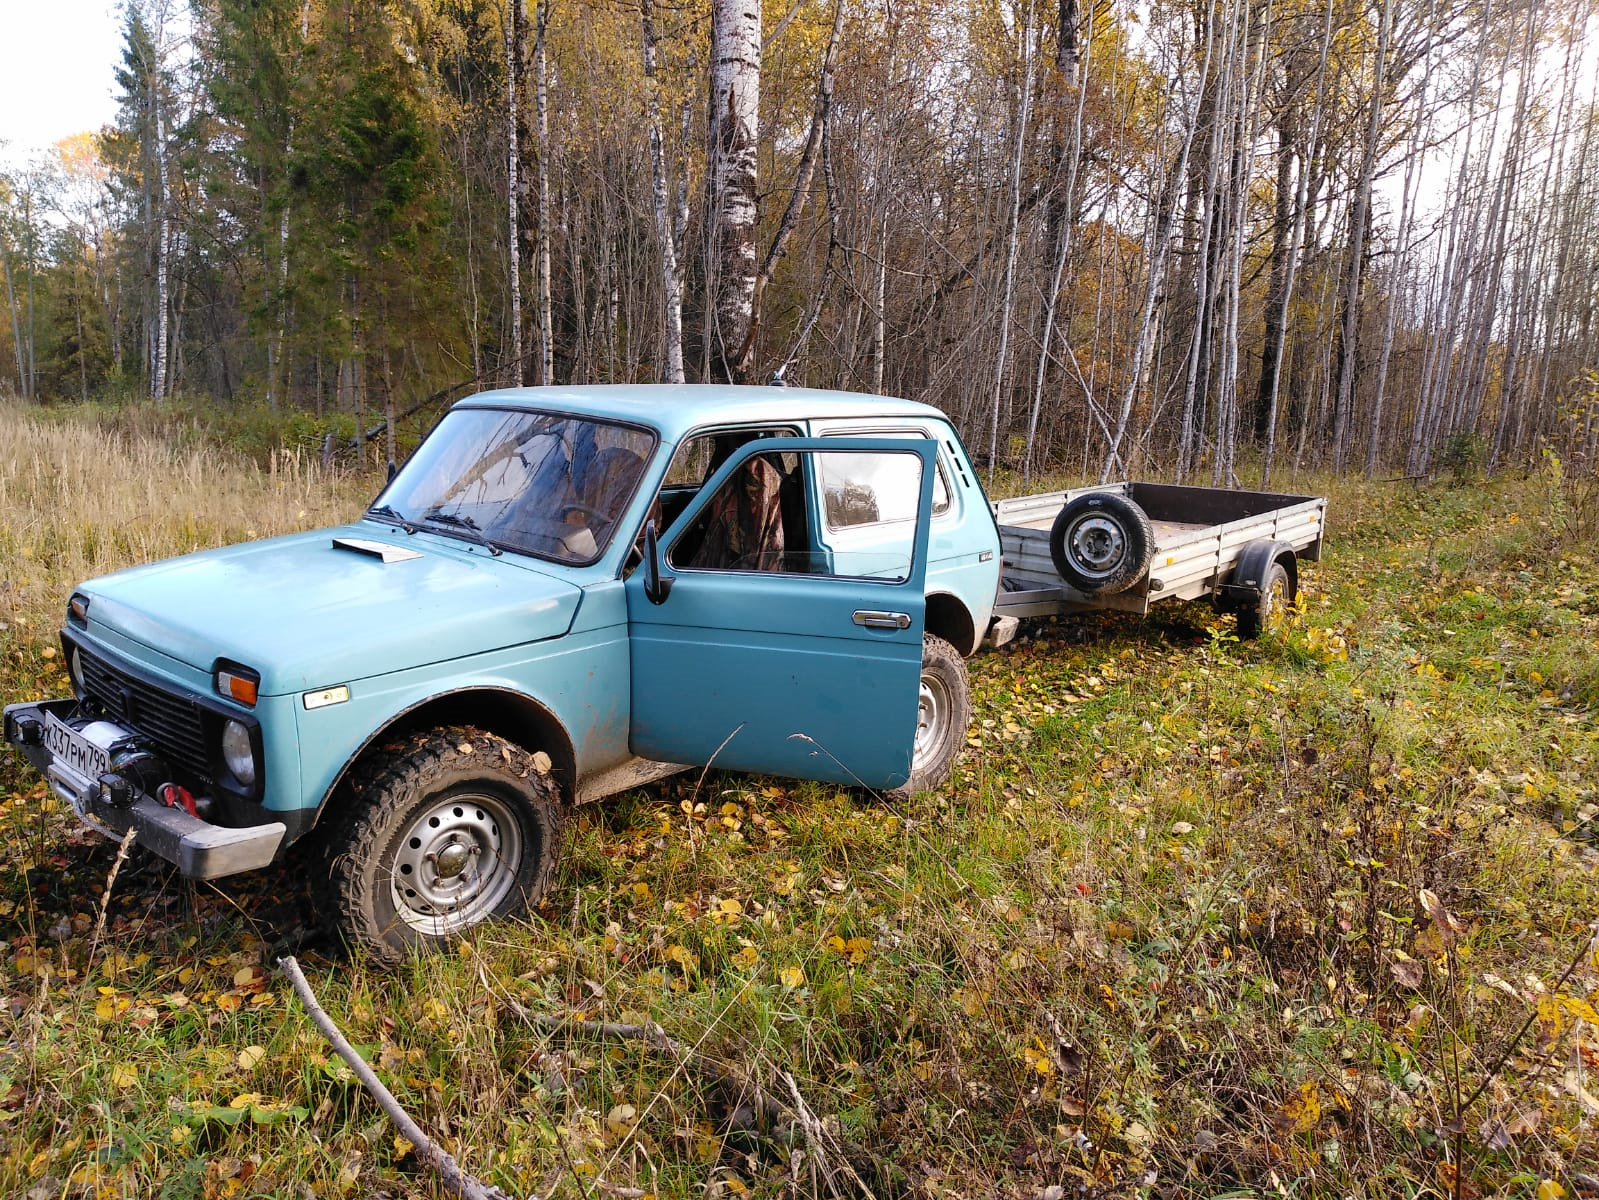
pixel 429 1151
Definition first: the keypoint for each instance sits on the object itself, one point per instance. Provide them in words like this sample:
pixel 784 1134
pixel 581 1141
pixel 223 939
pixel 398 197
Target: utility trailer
pixel 1127 546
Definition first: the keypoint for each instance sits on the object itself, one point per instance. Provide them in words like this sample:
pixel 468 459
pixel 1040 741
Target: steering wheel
pixel 574 507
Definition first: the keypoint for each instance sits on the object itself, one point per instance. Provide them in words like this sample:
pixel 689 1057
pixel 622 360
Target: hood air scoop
pixel 378 550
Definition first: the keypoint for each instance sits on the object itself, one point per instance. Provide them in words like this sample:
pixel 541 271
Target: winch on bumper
pixel 75 753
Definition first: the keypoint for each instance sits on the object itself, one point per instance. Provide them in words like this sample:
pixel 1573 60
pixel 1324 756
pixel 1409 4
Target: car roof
pixel 677 409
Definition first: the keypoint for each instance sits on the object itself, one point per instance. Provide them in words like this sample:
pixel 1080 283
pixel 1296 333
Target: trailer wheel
pixel 1101 543
pixel 1269 611
pixel 944 710
pixel 453 828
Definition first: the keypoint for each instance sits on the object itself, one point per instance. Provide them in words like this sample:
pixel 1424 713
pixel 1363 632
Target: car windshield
pixel 546 484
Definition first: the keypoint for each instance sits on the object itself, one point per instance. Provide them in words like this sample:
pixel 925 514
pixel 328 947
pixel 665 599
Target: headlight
pixel 237 752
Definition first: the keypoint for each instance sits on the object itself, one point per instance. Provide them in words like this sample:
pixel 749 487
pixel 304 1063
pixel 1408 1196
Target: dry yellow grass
pixel 78 501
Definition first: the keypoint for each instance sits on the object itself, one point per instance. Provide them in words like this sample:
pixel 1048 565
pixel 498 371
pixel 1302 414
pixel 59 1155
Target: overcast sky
pixel 56 64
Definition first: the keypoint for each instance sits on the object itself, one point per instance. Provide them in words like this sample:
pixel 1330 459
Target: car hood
pixel 307 613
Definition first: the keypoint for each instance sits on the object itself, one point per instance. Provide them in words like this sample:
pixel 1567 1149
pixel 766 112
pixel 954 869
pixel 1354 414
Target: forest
pixel 1176 239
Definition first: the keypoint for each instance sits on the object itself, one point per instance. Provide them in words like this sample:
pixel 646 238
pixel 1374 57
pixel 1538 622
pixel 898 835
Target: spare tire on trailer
pixel 1101 543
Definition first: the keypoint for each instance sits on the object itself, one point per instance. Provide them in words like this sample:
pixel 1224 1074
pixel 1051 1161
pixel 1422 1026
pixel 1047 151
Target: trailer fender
pixel 1243 585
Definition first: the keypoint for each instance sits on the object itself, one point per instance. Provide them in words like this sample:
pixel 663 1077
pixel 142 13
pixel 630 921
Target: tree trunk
pixel 513 189
pixel 30 378
pixel 804 173
pixel 1159 251
pixel 1357 248
pixel 16 324
pixel 730 266
pixel 1012 238
pixel 542 106
pixel 1068 61
pixel 665 233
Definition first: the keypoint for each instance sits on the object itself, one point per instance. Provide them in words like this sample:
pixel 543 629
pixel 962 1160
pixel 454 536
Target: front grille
pixel 171 722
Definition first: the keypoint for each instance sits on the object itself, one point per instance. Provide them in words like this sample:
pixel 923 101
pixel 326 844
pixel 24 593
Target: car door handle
pixel 875 619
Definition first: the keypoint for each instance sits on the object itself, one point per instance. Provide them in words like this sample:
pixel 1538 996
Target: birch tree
pixel 731 175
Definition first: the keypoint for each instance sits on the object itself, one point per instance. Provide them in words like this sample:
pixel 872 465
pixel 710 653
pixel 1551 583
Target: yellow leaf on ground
pixel 123 1076
pixel 1550 1190
pixel 1037 1059
pixel 1304 1109
pixel 250 1056
pixel 791 977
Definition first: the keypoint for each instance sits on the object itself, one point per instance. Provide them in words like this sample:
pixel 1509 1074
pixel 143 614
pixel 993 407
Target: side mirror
pixel 393 470
pixel 656 586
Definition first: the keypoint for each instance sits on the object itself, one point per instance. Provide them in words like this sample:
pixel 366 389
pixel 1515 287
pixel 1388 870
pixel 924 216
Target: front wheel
pixel 453 828
pixel 943 712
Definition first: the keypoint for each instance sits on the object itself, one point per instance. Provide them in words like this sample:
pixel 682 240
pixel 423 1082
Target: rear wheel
pixel 1271 609
pixel 943 711
pixel 451 829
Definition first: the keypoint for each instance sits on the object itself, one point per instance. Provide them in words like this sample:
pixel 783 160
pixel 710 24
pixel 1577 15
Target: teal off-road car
pixel 565 593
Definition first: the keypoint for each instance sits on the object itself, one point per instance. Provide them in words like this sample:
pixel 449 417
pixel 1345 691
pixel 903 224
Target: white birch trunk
pixel 158 372
pixel 735 103
pixel 513 178
pixel 542 103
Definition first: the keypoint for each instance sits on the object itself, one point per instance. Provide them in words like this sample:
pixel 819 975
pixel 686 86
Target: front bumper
pixel 196 847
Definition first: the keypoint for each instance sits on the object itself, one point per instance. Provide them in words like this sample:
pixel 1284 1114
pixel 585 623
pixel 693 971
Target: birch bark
pixel 513 176
pixel 730 264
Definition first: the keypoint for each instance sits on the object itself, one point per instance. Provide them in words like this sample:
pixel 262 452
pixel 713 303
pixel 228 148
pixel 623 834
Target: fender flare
pixel 1243 584
pixel 517 717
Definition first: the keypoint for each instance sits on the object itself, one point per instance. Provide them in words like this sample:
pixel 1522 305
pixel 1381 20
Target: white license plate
pixel 74 750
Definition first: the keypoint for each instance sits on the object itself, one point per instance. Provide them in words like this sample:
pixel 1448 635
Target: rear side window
pixel 867 489
pixel 871 489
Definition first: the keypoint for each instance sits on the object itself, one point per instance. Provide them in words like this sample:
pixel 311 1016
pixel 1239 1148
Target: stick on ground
pixel 429 1151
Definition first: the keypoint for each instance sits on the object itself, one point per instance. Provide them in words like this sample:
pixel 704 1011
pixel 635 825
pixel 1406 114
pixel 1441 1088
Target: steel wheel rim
pixel 456 864
pixel 1097 545
pixel 932 714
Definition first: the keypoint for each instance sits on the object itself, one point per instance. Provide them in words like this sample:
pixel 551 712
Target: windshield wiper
pixel 387 512
pixel 456 521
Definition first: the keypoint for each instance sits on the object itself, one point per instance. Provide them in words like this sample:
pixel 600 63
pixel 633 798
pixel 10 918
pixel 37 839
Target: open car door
pixel 756 646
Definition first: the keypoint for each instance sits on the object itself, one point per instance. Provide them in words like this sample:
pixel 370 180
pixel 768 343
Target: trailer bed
pixel 1198 536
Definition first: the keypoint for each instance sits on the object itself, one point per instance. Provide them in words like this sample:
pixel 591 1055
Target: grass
pixel 1195 917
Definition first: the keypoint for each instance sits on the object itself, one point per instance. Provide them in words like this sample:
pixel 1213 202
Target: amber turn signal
pixel 235 685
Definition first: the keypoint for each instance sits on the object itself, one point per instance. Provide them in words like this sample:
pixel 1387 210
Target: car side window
pixel 865 489
pixel 762 516
pixel 875 492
